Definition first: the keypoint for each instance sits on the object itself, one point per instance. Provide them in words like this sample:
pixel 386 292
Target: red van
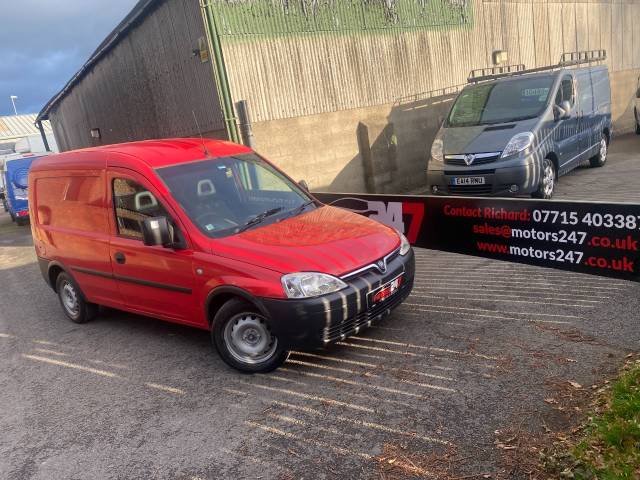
pixel 209 234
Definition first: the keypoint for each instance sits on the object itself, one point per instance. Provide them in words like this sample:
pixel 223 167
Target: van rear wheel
pixel 75 307
pixel 243 338
pixel 601 158
pixel 547 180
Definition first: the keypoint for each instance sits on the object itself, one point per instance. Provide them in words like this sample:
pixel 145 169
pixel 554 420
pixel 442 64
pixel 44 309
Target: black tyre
pixel 601 158
pixel 547 180
pixel 637 117
pixel 72 301
pixel 242 336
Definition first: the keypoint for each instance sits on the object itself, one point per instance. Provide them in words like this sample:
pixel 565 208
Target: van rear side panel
pixel 71 227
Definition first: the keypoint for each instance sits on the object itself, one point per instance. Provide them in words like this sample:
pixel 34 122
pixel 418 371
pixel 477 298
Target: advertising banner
pixel 589 237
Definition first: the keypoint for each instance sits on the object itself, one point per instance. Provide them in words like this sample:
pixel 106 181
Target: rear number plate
pixel 467 181
pixel 385 291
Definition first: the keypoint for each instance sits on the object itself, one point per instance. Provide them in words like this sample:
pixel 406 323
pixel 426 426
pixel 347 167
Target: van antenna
pixel 204 147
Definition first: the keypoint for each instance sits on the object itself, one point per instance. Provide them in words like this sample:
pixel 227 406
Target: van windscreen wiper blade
pixel 259 218
pixel 300 208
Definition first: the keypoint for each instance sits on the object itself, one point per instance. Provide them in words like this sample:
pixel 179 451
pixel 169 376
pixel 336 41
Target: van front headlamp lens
pixel 405 246
pixel 310 284
pixel 437 150
pixel 518 143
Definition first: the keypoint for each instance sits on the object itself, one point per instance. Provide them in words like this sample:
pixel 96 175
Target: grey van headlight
pixel 518 143
pixel 310 284
pixel 437 150
pixel 405 246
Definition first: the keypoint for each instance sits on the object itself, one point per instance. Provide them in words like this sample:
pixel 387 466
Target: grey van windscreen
pixel 227 195
pixel 500 102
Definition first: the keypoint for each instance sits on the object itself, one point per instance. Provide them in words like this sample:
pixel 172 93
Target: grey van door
pixel 586 117
pixel 566 131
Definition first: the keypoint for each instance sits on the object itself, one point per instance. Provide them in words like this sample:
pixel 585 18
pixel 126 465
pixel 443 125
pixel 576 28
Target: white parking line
pixel 75 366
pixel 165 388
pixel 471 299
pixel 465 315
pixel 497 311
pixel 426 347
pixel 374 387
pixel 528 293
pixel 501 285
pixel 308 396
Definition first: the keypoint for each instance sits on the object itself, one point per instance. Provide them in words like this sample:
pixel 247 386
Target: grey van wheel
pixel 243 338
pixel 75 307
pixel 547 180
pixel 601 158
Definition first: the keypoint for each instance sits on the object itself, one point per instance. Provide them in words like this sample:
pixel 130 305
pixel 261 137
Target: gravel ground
pixel 480 346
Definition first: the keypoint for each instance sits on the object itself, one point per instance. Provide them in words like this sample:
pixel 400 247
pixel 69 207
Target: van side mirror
pixel 563 111
pixel 157 231
pixel 304 185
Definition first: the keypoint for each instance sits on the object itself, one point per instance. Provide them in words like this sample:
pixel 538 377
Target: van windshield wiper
pixel 300 208
pixel 259 218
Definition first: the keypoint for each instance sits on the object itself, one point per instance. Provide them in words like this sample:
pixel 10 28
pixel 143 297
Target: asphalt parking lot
pixel 481 349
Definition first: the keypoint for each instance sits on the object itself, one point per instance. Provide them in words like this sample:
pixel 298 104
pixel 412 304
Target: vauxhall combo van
pixel 209 234
pixel 515 135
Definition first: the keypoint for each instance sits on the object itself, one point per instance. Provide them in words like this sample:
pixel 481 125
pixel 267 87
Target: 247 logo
pixel 405 217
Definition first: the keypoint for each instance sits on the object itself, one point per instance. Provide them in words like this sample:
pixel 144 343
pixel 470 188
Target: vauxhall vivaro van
pixel 209 234
pixel 515 134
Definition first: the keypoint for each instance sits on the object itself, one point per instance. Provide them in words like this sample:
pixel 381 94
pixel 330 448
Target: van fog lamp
pixel 310 284
pixel 513 188
pixel 518 143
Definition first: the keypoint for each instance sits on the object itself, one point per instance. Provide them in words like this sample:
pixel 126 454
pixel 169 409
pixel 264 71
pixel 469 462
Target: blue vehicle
pixel 16 181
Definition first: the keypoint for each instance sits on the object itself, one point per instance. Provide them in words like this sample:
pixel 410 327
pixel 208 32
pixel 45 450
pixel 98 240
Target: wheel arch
pixel 221 295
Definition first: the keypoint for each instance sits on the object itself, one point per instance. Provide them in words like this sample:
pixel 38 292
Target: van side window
pixel 133 204
pixel 566 92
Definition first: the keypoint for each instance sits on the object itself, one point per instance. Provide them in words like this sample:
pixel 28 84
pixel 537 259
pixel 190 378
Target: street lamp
pixel 13 102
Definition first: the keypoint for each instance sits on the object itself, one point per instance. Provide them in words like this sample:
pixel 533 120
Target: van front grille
pixel 470 189
pixel 480 159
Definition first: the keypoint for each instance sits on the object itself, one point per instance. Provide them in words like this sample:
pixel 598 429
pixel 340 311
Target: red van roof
pixel 153 153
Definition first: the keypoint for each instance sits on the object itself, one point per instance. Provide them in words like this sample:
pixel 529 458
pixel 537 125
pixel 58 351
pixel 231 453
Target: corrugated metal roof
pixel 18 126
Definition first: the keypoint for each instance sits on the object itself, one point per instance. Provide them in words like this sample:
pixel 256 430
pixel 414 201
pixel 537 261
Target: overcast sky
pixel 44 42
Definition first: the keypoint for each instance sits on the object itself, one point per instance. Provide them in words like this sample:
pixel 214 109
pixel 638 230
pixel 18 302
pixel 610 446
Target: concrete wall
pixel 310 95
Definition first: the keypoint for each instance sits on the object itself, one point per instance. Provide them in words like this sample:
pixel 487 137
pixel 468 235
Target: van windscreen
pixel 227 195
pixel 500 102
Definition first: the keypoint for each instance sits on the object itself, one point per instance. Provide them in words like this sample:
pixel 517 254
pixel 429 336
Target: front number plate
pixel 385 291
pixel 468 181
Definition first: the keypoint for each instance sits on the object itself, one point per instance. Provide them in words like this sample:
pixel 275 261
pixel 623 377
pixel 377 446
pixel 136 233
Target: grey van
pixel 516 134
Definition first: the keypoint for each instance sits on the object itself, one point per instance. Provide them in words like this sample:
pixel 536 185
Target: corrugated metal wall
pixel 286 65
pixel 146 87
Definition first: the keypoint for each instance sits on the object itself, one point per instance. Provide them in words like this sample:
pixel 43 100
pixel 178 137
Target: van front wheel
pixel 243 338
pixel 75 307
pixel 547 180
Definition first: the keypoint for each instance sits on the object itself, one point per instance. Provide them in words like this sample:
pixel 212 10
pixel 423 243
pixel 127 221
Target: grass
pixel 609 448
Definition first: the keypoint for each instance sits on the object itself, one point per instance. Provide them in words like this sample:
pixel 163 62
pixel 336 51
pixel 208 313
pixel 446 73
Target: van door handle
pixel 120 258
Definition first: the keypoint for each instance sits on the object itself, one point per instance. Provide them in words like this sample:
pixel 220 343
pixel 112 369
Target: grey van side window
pixel 566 92
pixel 133 203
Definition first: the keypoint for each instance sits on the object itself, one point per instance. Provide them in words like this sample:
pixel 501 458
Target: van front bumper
pixel 499 180
pixel 313 323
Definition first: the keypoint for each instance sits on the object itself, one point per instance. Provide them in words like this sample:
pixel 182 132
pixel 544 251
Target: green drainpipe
pixel 220 70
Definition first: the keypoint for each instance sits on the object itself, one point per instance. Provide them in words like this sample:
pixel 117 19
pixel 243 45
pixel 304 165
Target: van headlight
pixel 437 150
pixel 405 246
pixel 518 143
pixel 310 284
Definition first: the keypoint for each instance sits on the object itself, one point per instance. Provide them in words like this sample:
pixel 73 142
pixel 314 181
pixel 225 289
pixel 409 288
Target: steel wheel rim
pixel 549 179
pixel 69 298
pixel 249 339
pixel 603 150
